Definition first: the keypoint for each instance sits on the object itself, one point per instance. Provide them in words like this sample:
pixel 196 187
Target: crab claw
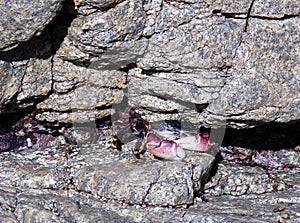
pixel 162 148
pixel 199 142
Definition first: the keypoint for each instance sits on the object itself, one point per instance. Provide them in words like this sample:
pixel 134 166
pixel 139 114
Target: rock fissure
pixel 148 191
pixel 248 15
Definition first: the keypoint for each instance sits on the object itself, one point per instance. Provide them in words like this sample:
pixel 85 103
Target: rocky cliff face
pixel 209 62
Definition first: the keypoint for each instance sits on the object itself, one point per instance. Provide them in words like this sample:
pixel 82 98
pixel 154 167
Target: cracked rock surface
pixel 229 63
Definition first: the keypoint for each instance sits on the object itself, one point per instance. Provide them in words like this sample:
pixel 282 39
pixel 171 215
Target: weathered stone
pixel 207 51
pixel 212 63
pixel 239 180
pixel 107 39
pixel 74 117
pixel 144 182
pixel 177 94
pixel 199 44
pixel 82 90
pixel 24 81
pixel 88 183
pixel 48 207
pixel 275 8
pixel 106 173
pixel 264 85
pixel 24 19
pixel 59 206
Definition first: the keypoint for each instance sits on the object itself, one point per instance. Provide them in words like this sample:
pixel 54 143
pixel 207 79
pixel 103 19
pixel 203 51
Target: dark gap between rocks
pixel 265 137
pixel 44 45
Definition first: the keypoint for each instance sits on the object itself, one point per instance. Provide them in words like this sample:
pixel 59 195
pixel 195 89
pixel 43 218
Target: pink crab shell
pixel 199 142
pixel 163 148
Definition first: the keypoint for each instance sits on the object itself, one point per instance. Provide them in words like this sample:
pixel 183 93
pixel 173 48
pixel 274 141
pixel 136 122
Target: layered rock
pixel 211 63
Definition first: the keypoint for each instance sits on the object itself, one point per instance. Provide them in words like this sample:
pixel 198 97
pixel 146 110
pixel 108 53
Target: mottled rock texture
pixel 107 173
pixel 209 62
pixel 98 184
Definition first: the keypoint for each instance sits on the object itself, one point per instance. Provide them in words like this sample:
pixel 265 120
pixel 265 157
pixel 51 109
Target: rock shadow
pixel 47 42
pixel 273 136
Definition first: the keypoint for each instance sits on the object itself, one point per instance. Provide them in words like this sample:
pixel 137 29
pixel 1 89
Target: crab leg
pixel 163 148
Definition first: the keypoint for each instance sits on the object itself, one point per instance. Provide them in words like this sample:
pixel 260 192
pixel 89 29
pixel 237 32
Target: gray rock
pixel 70 206
pixel 239 180
pixel 144 181
pixel 85 90
pixel 275 9
pixel 22 82
pixel 34 169
pixel 264 84
pixel 50 207
pixel 109 174
pixel 24 19
pixel 90 183
pixel 204 62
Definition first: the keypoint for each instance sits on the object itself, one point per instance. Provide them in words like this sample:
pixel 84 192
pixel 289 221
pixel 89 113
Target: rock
pixel 22 20
pixel 92 183
pixel 82 90
pixel 275 9
pixel 144 181
pixel 264 85
pixel 240 180
pixel 112 175
pixel 59 206
pixel 176 94
pixel 25 81
pixel 34 169
pixel 211 63
pixel 48 207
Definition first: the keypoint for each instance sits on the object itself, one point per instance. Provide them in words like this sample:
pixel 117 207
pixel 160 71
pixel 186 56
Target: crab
pixel 161 139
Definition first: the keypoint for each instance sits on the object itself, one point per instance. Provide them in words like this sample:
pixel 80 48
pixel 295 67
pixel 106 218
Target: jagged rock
pixel 81 90
pixel 25 81
pixel 71 206
pixel 212 63
pixel 93 183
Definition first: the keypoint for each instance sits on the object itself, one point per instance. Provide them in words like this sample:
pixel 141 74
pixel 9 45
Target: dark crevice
pixel 201 107
pixel 248 15
pixel 234 15
pixel 270 136
pixel 128 67
pixel 9 120
pixel 284 17
pixel 46 44
pixel 150 72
